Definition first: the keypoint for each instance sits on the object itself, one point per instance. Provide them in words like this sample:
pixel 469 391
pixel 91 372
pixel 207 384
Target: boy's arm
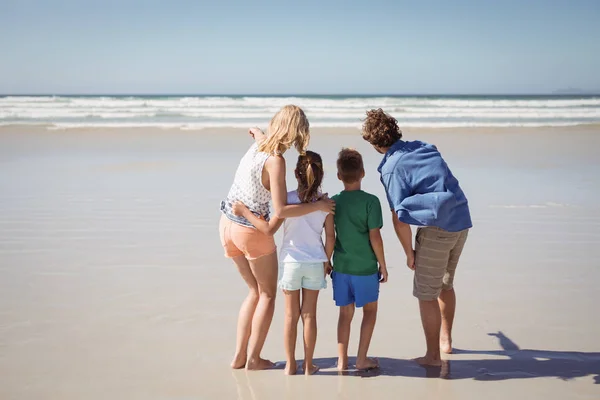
pixel 329 242
pixel 268 228
pixel 377 246
pixel 404 234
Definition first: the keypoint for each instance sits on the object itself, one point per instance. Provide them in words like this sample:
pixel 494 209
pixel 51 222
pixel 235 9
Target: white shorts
pixel 296 276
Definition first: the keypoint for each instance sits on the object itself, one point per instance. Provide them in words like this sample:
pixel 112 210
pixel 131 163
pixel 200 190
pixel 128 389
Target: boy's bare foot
pixel 238 362
pixel 367 364
pixel 446 345
pixel 311 370
pixel 342 365
pixel 428 361
pixel 291 368
pixel 260 364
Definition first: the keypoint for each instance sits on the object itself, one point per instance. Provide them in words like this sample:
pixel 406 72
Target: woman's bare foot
pixel 342 365
pixel 367 364
pixel 238 362
pixel 311 370
pixel 290 368
pixel 446 345
pixel 428 361
pixel 259 364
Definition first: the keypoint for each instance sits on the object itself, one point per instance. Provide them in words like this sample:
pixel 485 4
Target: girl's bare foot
pixel 428 361
pixel 259 364
pixel 238 362
pixel 311 370
pixel 290 368
pixel 367 364
pixel 446 345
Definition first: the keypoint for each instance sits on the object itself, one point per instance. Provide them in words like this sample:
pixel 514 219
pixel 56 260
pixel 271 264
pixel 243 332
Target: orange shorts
pixel 238 240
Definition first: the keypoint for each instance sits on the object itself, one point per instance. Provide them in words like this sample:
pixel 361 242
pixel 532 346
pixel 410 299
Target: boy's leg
pixel 366 290
pixel 343 334
pixel 366 333
pixel 309 320
pixel 290 329
pixel 447 298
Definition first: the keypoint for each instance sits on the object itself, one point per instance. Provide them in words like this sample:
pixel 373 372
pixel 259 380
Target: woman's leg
pixel 290 329
pixel 264 270
pixel 246 313
pixel 309 320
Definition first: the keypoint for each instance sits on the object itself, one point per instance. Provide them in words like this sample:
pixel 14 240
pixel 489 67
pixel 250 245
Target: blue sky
pixel 320 47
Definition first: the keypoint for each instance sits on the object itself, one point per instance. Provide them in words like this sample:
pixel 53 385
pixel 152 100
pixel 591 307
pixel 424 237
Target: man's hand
pixel 383 274
pixel 410 260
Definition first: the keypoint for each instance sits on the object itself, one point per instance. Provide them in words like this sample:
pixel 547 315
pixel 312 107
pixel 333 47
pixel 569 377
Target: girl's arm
pixel 268 228
pixel 275 166
pixel 329 241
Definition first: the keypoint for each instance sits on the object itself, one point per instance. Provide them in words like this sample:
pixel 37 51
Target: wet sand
pixel 113 284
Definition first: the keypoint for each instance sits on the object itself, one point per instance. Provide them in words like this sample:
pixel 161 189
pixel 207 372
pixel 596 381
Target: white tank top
pixel 248 188
pixel 302 236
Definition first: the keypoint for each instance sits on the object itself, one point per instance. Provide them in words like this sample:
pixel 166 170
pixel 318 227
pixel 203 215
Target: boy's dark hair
pixel 380 129
pixel 309 170
pixel 350 165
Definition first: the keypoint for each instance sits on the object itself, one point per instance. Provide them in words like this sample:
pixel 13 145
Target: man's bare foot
pixel 342 365
pixel 310 370
pixel 446 345
pixel 428 361
pixel 259 364
pixel 367 364
pixel 238 362
pixel 290 368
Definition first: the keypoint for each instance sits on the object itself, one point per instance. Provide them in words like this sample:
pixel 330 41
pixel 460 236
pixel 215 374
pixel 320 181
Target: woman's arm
pixel 257 134
pixel 268 228
pixel 404 234
pixel 329 241
pixel 275 166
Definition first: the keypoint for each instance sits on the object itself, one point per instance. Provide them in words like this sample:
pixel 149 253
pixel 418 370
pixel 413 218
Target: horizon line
pixel 591 93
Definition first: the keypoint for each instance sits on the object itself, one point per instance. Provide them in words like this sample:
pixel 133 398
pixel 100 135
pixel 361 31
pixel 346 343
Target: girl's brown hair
pixel 309 171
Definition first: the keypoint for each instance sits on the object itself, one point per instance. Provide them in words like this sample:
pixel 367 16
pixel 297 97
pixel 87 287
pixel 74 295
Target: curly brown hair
pixel 380 129
pixel 350 165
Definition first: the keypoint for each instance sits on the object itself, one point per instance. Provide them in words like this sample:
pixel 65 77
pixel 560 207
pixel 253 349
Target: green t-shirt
pixel 356 213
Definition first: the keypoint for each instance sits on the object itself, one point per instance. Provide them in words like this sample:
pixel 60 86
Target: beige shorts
pixel 436 257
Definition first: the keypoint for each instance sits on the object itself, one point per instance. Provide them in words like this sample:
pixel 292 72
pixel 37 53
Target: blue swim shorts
pixel 360 290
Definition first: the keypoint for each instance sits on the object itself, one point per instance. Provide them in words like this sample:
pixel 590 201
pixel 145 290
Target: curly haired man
pixel 422 191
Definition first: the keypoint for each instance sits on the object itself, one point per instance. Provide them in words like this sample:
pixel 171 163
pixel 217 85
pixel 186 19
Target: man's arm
pixel 377 246
pixel 404 234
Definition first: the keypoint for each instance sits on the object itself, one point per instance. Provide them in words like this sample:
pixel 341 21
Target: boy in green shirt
pixel 358 260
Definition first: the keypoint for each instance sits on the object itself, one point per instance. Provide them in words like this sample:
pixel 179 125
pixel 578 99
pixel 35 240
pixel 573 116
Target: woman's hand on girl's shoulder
pixel 326 204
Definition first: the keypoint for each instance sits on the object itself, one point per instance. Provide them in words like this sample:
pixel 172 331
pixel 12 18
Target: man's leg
pixel 447 298
pixel 447 303
pixel 432 322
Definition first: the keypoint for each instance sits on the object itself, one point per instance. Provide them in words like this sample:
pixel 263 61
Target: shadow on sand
pixel 518 364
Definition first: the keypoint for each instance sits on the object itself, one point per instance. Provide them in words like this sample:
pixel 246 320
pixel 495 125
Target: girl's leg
pixel 246 313
pixel 290 329
pixel 264 270
pixel 309 320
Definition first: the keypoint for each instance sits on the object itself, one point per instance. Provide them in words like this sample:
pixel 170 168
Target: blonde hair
pixel 288 127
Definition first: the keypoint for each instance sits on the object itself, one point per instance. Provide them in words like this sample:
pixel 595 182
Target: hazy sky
pixel 321 47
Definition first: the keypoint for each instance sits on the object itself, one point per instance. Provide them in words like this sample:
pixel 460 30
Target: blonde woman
pixel 259 179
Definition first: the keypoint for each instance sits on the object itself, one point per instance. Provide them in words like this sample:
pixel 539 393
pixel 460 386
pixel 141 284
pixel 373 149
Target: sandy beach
pixel 113 284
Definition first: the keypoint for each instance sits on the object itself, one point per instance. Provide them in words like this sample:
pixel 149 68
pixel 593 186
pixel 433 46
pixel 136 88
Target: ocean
pixel 198 112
